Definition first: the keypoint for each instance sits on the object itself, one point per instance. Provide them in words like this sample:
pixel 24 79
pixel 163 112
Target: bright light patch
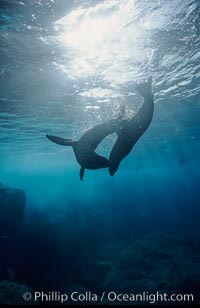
pixel 100 93
pixel 101 40
pixel 89 34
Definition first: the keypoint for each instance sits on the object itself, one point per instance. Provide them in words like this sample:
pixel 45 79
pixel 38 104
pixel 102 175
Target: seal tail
pixel 60 141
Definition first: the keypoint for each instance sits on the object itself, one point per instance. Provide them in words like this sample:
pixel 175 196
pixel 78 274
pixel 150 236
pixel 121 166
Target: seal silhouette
pixel 84 148
pixel 132 129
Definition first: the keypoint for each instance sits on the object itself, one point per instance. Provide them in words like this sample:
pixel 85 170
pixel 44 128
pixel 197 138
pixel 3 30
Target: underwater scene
pixel 99 152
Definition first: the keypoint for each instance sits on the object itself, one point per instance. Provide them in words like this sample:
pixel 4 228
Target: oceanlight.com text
pixel 112 297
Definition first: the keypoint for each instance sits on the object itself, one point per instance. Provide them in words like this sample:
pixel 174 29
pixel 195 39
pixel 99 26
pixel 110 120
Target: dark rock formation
pixel 12 204
pixel 59 254
pixel 158 262
pixel 12 293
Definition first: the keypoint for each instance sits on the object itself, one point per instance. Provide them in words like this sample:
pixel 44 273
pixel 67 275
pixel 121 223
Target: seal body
pixel 133 128
pixel 84 148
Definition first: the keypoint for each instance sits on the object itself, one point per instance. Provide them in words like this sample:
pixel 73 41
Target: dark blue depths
pixel 137 231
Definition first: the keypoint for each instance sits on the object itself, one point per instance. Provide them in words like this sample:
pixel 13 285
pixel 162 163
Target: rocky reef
pixel 85 250
pixel 158 262
pixel 12 205
pixel 12 293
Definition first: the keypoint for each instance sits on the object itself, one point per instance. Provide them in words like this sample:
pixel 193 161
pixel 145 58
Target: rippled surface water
pixel 66 65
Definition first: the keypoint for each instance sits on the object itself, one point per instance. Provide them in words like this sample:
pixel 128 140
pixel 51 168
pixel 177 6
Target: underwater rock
pixel 12 204
pixel 62 253
pixel 12 293
pixel 158 262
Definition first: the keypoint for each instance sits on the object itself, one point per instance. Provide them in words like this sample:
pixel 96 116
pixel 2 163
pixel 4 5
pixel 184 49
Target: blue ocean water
pixel 66 66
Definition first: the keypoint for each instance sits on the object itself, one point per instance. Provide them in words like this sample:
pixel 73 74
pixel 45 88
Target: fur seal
pixel 84 148
pixel 133 128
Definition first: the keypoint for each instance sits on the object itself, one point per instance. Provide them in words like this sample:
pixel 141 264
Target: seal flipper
pixel 60 141
pixel 82 171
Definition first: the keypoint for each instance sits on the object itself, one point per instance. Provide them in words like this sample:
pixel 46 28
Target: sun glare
pixel 87 33
pixel 90 34
pixel 100 40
